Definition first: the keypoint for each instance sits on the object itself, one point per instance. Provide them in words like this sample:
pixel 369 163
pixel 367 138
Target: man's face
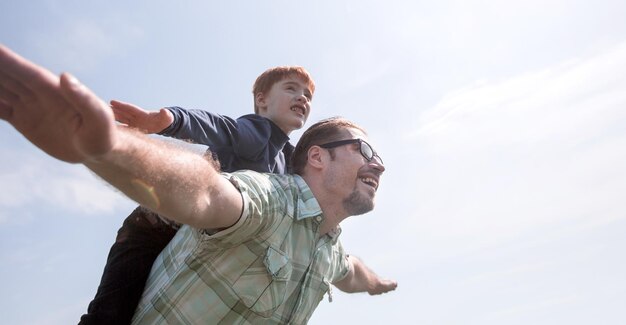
pixel 287 104
pixel 353 177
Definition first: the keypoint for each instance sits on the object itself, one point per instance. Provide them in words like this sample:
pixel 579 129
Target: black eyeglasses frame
pixel 361 142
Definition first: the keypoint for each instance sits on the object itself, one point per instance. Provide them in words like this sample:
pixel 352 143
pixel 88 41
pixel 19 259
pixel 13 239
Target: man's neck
pixel 327 226
pixel 332 208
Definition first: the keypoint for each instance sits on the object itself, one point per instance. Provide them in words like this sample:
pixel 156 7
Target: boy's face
pixel 287 104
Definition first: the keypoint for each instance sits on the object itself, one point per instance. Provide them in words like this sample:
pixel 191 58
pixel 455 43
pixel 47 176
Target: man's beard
pixel 357 203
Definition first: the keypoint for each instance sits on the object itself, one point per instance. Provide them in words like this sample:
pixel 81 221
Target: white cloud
pixel 501 158
pixel 577 98
pixel 41 181
pixel 81 45
pixel 534 307
pixel 66 315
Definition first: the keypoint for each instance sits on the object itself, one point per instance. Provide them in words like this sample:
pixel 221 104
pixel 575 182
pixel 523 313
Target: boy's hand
pixel 141 119
pixel 59 115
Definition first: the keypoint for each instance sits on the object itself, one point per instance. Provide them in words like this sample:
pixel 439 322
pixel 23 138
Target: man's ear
pixel 315 157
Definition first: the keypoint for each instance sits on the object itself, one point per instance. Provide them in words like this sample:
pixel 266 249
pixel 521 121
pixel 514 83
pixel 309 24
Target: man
pixel 271 239
pixel 260 142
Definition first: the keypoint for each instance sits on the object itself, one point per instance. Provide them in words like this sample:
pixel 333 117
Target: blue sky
pixel 502 125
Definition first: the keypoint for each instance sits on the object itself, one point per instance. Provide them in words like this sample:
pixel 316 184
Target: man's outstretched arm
pixel 362 279
pixel 67 121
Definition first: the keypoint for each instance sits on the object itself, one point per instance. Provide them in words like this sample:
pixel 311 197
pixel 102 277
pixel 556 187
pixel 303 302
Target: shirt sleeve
pixel 201 127
pixel 248 135
pixel 340 263
pixel 258 216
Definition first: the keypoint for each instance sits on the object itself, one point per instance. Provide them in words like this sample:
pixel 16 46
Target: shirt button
pixel 318 218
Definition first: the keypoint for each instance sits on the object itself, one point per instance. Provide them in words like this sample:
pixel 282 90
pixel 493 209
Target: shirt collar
pixel 308 206
pixel 278 137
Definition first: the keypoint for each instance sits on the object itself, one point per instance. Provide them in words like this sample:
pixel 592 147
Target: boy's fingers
pixel 122 109
pixel 119 104
pixel 120 115
pixel 116 103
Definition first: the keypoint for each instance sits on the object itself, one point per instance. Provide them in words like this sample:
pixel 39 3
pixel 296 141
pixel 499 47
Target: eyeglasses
pixel 366 150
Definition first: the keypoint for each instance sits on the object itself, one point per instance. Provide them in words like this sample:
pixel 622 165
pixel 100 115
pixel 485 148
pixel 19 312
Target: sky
pixel 502 125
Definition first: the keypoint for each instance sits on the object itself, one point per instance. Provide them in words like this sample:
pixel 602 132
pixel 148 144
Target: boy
pixel 282 99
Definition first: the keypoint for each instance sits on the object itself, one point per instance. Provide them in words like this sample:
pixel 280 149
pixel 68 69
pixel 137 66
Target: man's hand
pixel 141 119
pixel 382 286
pixel 361 279
pixel 66 120
pixel 59 115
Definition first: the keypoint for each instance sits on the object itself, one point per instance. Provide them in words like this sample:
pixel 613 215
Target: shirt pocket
pixel 263 285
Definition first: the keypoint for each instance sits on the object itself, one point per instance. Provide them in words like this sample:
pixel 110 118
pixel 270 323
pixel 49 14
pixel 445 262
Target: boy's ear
pixel 259 100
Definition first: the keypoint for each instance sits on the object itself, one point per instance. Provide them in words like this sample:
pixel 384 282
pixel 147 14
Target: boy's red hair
pixel 267 79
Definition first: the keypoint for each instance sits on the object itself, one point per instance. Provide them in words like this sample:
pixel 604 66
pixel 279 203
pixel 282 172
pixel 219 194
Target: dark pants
pixel 139 241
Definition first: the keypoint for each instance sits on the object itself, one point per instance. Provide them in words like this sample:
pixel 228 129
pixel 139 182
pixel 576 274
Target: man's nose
pixel 377 164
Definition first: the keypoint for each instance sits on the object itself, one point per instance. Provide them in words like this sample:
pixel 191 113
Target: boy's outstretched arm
pixel 66 120
pixel 362 279
pixel 141 119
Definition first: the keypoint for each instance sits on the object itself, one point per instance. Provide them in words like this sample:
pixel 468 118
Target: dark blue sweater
pixel 249 142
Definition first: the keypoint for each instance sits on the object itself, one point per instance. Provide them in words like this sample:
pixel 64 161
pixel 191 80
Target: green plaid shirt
pixel 270 267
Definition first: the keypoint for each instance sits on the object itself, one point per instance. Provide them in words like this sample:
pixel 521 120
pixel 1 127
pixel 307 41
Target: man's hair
pixel 267 79
pixel 322 132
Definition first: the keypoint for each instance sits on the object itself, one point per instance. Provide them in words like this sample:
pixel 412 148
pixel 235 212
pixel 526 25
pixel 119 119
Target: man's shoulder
pixel 265 181
pixel 251 176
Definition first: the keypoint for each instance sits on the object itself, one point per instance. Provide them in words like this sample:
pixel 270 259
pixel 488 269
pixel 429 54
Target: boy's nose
pixel 301 98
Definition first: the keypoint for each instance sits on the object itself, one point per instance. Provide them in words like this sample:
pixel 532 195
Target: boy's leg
pixel 139 241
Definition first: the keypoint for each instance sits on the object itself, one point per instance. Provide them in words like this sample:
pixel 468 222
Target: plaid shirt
pixel 270 267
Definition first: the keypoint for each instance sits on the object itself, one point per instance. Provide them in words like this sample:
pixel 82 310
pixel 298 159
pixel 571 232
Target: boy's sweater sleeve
pixel 247 135
pixel 200 126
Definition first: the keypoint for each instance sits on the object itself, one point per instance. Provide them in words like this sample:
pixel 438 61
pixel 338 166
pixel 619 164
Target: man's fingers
pixel 23 71
pixel 384 286
pixel 96 125
pixel 390 285
pixel 31 90
pixel 14 87
pixel 6 111
pixel 90 107
pixel 7 95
